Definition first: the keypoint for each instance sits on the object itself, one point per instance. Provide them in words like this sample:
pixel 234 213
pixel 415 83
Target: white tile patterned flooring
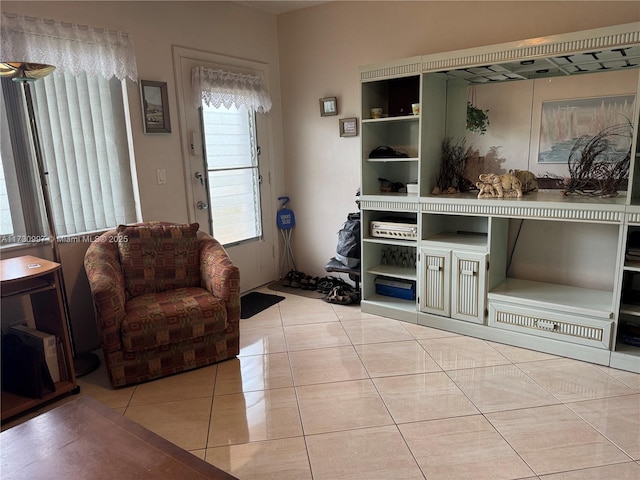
pixel 323 391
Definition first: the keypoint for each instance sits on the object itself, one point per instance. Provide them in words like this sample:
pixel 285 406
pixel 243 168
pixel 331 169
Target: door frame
pixel 239 65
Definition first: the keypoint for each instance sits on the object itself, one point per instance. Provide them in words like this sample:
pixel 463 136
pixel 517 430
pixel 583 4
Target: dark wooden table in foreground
pixel 83 439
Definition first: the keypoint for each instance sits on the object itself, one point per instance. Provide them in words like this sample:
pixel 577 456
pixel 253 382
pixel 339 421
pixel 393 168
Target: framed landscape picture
pixel 562 122
pixel 155 107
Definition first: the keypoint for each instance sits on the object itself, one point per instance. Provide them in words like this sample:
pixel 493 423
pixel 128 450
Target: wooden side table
pixel 40 280
pixel 85 439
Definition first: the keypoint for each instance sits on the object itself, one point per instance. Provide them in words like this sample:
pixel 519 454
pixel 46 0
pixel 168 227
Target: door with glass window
pixel 231 159
pixel 228 172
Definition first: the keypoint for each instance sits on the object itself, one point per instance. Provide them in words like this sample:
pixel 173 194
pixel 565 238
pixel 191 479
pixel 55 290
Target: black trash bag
pixel 24 368
pixel 348 249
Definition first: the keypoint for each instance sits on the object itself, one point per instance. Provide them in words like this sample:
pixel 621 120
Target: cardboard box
pixel 47 342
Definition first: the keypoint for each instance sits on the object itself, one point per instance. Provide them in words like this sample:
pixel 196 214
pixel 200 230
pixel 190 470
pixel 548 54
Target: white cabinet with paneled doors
pixel 453 283
pixel 549 271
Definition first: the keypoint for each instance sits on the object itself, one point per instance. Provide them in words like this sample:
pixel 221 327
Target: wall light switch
pixel 162 176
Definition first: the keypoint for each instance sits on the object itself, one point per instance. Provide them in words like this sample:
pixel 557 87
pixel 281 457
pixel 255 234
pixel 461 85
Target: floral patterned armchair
pixel 167 300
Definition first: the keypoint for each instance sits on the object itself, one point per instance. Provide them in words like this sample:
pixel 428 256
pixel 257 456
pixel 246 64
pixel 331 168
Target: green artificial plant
pixel 477 119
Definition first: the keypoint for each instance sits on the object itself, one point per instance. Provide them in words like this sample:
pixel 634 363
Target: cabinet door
pixel 469 286
pixel 435 283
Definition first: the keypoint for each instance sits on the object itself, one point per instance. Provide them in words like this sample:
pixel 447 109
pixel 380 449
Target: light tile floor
pixel 323 391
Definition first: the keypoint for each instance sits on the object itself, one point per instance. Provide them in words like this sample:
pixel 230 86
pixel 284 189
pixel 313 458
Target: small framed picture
pixel 328 106
pixel 349 127
pixel 155 107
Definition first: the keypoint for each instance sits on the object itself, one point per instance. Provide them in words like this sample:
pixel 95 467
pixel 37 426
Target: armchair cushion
pixel 158 257
pixel 158 319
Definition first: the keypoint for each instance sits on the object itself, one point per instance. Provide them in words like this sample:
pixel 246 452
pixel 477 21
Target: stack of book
pixel 45 342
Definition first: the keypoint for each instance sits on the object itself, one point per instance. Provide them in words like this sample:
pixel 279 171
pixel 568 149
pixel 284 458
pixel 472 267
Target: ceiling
pixel 278 7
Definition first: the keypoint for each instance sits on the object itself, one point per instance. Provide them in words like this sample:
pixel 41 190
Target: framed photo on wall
pixel 155 107
pixel 328 106
pixel 563 122
pixel 349 127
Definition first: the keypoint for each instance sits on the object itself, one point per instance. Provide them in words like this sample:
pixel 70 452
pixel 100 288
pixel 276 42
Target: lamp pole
pixel 26 73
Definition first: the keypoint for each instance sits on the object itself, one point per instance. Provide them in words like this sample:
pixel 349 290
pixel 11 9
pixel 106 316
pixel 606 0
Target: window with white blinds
pixel 84 140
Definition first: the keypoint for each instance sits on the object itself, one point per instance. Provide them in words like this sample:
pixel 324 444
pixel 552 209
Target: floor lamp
pixel 26 73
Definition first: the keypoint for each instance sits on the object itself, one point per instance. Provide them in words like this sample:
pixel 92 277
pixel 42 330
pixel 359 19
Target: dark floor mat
pixel 255 302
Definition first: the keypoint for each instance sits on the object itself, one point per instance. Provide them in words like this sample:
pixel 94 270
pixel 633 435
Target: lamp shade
pixel 25 71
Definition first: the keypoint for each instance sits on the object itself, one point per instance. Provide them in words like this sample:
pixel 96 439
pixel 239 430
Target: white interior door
pixel 219 184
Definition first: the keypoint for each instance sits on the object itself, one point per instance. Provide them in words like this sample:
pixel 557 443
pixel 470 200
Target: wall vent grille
pixel 387 205
pixel 435 283
pixel 394 71
pixel 602 216
pixel 559 48
pixel 468 295
pixel 543 324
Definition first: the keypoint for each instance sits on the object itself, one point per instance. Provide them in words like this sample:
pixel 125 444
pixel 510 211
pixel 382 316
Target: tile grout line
pixel 596 428
pixel 395 423
pixel 295 391
pixel 213 393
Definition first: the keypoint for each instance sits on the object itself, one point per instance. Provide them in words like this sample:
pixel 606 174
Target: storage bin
pixel 405 289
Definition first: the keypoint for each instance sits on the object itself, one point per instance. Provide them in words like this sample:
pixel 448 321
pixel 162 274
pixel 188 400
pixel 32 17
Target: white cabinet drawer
pixel 581 329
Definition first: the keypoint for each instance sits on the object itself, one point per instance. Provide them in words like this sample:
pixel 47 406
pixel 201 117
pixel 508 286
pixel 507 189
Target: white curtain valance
pixel 76 49
pixel 217 88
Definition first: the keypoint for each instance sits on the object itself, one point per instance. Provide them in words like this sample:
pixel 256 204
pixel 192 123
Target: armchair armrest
pixel 220 276
pixel 102 265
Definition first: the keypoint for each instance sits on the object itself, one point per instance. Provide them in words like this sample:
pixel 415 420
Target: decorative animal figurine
pixel 506 185
pixel 527 179
pixel 486 190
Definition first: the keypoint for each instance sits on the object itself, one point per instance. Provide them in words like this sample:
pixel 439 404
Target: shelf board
pixel 631 266
pixel 630 309
pixel 13 404
pixel 393 160
pixel 474 241
pixel 627 349
pixel 400 118
pixel 392 241
pixel 26 287
pixel 566 298
pixel 405 273
pixel 393 302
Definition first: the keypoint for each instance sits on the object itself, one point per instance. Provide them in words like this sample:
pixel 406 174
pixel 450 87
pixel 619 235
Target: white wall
pixel 218 27
pixel 321 49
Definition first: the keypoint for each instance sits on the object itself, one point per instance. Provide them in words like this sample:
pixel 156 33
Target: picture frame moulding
pixel 155 107
pixel 328 106
pixel 349 127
